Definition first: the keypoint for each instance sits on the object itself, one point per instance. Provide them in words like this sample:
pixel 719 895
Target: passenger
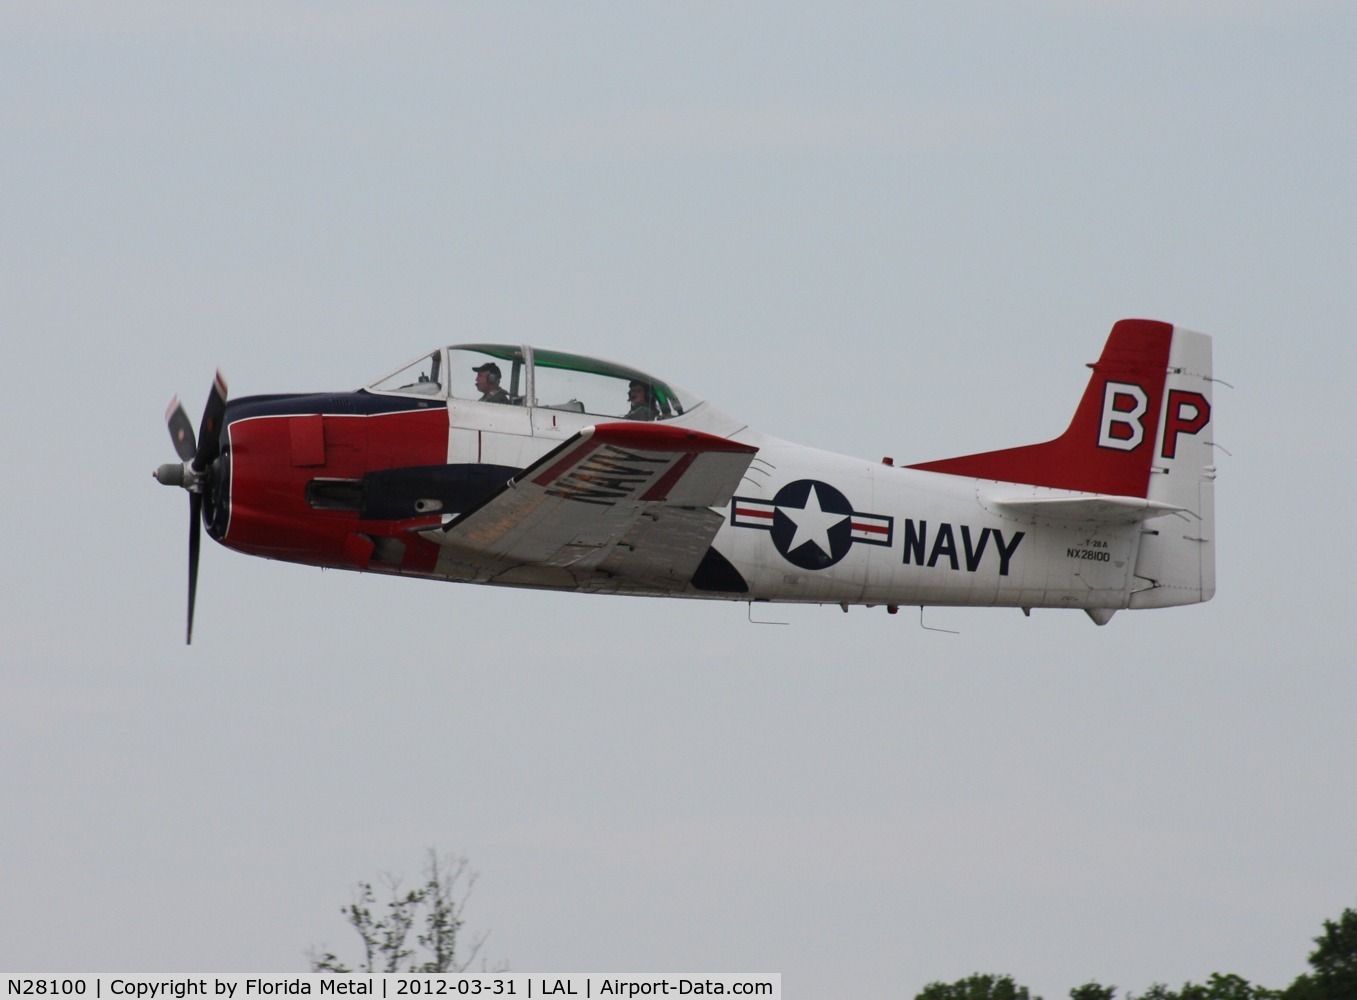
pixel 642 399
pixel 487 383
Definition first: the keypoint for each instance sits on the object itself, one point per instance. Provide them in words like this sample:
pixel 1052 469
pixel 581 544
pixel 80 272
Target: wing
pixel 624 502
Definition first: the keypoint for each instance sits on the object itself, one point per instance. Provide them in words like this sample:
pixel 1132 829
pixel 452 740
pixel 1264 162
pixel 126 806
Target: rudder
pixel 1176 563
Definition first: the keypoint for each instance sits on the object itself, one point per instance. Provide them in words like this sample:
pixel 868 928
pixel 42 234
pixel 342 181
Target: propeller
pixel 194 472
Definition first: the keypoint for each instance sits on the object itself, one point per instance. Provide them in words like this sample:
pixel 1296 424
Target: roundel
pixel 813 524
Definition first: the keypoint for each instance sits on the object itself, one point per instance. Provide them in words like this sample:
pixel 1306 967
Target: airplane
pixel 519 466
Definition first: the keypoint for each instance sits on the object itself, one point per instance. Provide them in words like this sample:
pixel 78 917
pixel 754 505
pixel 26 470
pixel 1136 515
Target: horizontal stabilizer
pixel 1091 510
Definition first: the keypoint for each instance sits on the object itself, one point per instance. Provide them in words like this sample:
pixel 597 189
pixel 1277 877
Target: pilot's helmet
pixel 490 367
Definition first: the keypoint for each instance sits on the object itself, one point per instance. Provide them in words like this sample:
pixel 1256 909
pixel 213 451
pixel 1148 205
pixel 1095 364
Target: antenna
pixel 932 628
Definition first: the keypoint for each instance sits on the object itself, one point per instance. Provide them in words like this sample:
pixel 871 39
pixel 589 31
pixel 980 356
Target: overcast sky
pixel 882 230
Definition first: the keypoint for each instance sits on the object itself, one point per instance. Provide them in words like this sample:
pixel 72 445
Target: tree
pixel 976 987
pixel 1218 987
pixel 1093 991
pixel 1334 961
pixel 436 907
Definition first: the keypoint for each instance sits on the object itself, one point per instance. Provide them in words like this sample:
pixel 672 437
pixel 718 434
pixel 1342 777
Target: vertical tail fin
pixel 1109 443
pixel 1141 430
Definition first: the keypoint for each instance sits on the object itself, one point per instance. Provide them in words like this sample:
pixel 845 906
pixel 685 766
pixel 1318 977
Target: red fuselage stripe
pixel 876 529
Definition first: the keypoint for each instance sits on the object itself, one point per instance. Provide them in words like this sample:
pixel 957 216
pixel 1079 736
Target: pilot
pixel 487 383
pixel 642 399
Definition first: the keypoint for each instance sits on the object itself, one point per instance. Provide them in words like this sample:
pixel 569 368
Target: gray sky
pixel 886 231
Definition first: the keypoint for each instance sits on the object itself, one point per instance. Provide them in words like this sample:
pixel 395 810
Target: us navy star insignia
pixel 812 524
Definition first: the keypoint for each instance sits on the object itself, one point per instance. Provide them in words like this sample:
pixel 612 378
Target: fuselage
pixel 348 481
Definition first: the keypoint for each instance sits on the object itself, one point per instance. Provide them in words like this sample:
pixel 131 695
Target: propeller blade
pixel 209 431
pixel 195 527
pixel 194 473
pixel 181 430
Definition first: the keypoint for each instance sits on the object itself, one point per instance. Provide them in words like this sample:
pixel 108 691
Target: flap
pixel 628 499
